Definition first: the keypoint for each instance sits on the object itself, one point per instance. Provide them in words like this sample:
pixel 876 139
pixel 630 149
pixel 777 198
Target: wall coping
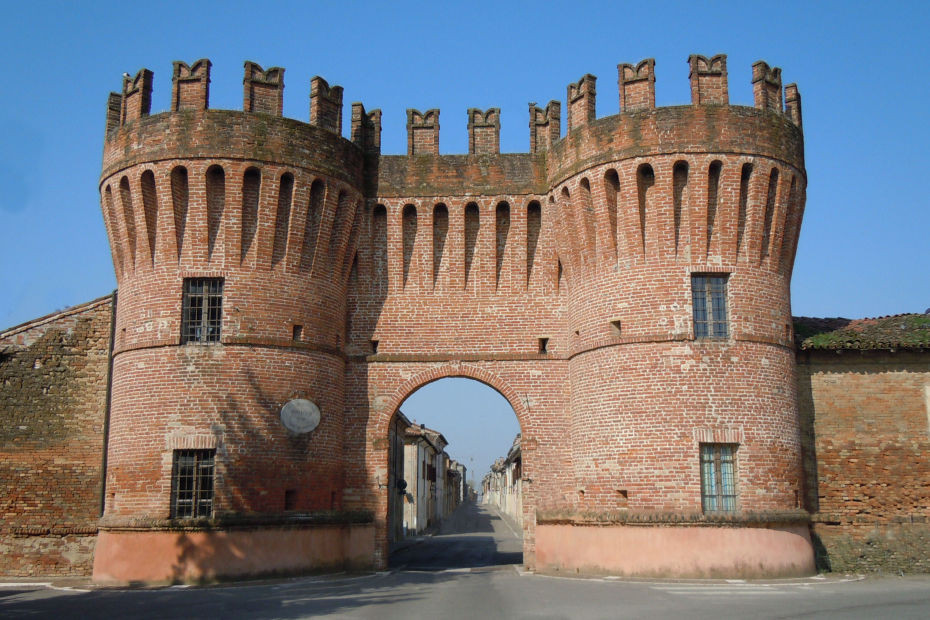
pixel 226 522
pixel 622 517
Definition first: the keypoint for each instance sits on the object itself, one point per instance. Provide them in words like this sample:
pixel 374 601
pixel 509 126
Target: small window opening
pixel 615 328
pixel 202 314
pixel 709 301
pixel 290 499
pixel 622 497
pixel 543 345
pixel 374 346
pixel 297 332
pixel 718 477
pixel 192 484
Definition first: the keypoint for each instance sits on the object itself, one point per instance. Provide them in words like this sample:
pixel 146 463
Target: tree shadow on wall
pixel 821 556
pixel 807 422
pixel 251 489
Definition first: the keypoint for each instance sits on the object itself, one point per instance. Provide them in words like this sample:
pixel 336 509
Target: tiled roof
pixel 435 438
pixel 899 331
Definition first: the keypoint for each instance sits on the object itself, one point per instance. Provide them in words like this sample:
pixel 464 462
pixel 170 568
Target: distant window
pixel 709 299
pixel 718 477
pixel 203 310
pixel 192 484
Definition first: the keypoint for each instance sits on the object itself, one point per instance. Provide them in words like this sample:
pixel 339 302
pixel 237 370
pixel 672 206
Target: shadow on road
pixel 298 598
pixel 474 536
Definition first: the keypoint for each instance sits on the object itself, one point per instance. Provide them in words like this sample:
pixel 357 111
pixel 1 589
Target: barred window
pixel 192 484
pixel 718 477
pixel 709 298
pixel 203 310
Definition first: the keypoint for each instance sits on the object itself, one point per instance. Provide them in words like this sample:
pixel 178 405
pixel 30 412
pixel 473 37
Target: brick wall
pixel 53 376
pixel 866 438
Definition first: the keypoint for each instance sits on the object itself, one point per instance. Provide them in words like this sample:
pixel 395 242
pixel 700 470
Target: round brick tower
pixel 680 226
pixel 229 233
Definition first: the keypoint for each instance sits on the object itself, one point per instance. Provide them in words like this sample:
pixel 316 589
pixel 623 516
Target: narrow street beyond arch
pixel 473 537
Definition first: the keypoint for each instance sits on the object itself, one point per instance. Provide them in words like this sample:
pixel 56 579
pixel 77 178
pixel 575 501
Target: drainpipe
pixel 106 410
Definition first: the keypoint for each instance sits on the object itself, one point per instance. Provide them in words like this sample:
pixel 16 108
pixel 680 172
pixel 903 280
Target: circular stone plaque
pixel 300 415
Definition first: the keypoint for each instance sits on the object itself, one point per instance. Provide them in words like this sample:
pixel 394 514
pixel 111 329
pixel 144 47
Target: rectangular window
pixel 203 310
pixel 718 477
pixel 192 484
pixel 709 298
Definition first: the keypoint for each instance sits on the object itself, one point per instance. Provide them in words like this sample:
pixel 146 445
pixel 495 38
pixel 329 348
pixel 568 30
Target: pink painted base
pixel 655 551
pixel 171 557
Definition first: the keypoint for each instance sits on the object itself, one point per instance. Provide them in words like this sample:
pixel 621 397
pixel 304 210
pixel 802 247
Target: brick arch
pixel 446 371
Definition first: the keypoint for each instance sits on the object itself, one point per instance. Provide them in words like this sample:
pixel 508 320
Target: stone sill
pixel 226 522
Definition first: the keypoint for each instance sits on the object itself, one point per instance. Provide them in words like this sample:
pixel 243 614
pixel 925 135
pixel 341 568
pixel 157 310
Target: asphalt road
pixel 472 537
pixel 468 570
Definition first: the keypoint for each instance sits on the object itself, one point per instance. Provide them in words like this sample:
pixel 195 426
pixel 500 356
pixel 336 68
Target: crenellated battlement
pixel 709 80
pixel 545 125
pixel 422 132
pixel 580 101
pixel 190 85
pixel 484 131
pixel 263 91
pixel 637 85
pixel 137 96
pixel 366 128
pixel 325 105
pixel 766 86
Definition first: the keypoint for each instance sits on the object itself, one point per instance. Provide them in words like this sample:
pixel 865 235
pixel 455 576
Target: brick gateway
pixel 625 287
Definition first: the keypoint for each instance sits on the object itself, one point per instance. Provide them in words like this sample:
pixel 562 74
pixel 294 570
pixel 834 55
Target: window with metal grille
pixel 192 484
pixel 718 477
pixel 709 298
pixel 203 310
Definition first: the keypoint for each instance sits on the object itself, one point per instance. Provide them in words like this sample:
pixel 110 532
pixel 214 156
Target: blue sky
pixel 477 421
pixel 861 69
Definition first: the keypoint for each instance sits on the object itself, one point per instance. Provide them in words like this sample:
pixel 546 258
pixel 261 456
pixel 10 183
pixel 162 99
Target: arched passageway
pixel 443 440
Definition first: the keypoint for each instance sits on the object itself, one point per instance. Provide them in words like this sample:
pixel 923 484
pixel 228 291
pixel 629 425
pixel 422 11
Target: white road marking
pixel 41 584
pixel 27 584
pixel 722 591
